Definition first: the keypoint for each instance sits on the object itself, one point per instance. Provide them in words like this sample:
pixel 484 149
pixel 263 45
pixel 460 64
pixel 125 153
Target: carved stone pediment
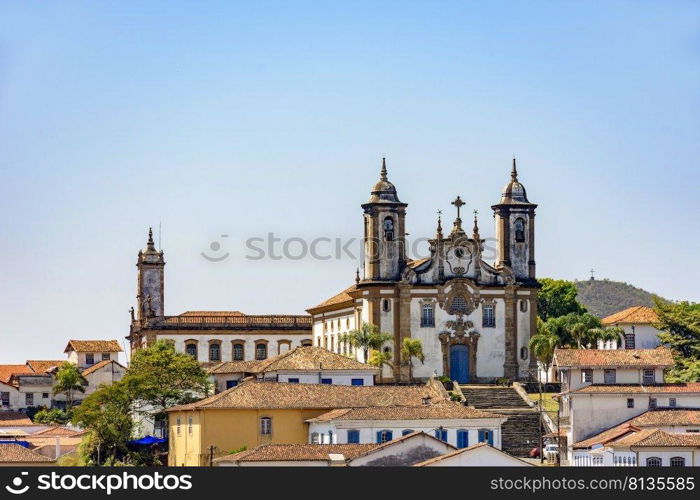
pixel 460 300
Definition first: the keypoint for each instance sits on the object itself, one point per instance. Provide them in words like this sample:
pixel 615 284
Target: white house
pixel 477 455
pixel 638 325
pixel 86 353
pixel 448 421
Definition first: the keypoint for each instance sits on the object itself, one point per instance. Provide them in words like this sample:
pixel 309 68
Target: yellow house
pixel 259 412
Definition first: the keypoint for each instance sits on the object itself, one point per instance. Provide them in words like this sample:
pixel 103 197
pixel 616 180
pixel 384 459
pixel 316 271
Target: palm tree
pixel 543 345
pixel 412 348
pixel 69 380
pixel 380 359
pixel 609 333
pixel 367 337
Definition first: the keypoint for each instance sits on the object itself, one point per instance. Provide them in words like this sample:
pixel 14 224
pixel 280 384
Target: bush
pixel 53 416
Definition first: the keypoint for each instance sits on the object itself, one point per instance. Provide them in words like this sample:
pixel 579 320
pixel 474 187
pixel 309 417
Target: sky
pixel 247 119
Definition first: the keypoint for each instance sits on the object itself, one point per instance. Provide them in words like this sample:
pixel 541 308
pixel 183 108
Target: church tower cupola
pixel 385 232
pixel 515 229
pixel 151 281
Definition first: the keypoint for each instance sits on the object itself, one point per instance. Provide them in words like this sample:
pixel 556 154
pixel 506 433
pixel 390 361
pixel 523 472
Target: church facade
pixel 474 319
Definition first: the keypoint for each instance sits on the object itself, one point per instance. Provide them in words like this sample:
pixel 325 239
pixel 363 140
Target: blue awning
pixel 147 440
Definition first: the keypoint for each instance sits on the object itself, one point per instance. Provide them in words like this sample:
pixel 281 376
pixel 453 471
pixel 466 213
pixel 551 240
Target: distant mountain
pixel 605 297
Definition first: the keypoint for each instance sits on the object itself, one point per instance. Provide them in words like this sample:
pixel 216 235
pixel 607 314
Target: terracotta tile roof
pixel 438 411
pixel 652 438
pixel 661 356
pixel 212 313
pixel 650 419
pixel 684 387
pixel 57 430
pixel 101 364
pixel 340 298
pixel 16 453
pixel 297 452
pixel 6 371
pixel 313 358
pixel 237 367
pixel 43 366
pixel 632 315
pixel 12 418
pixel 466 450
pixel 271 395
pixel 93 346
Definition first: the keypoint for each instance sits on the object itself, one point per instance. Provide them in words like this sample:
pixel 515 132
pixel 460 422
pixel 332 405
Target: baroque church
pixel 474 319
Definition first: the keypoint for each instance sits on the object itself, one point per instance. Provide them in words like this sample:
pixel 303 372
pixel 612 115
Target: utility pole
pixel 211 456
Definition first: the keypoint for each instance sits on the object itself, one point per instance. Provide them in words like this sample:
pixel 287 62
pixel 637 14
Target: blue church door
pixel 459 363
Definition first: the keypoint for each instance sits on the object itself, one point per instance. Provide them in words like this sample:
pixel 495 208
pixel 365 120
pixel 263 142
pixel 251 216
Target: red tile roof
pixel 637 315
pixel 684 387
pixel 43 366
pixel 341 299
pixel 6 371
pixel 297 452
pixel 15 453
pixel 101 364
pixel 661 356
pixel 13 418
pixel 93 346
pixel 439 411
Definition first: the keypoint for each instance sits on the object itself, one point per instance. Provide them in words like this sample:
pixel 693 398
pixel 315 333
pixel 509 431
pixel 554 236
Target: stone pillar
pixel 510 365
pixel 404 327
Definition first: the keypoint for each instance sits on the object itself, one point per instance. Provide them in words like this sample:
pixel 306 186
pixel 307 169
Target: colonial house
pixel 638 324
pixel 255 412
pixel 661 437
pixel 448 421
pixel 473 318
pixel 305 365
pixel 404 451
pixel 86 353
pixel 209 336
pixel 477 455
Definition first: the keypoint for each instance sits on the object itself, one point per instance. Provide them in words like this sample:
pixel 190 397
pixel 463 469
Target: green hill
pixel 605 297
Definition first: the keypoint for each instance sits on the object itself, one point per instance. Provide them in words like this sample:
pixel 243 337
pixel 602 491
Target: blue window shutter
pixel 462 438
pixel 357 381
pixel 353 437
pixel 327 381
pixel 379 437
pixel 389 435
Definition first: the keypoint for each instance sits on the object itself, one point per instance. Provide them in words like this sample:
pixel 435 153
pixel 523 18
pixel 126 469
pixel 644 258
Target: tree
pixel 557 298
pixel 106 415
pixel 412 348
pixel 69 380
pixel 159 378
pixel 543 345
pixel 680 330
pixel 367 337
pixel 573 329
pixel 53 416
pixel 380 359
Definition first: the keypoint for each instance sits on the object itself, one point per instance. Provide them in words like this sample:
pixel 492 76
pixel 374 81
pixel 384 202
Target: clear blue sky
pixel 242 118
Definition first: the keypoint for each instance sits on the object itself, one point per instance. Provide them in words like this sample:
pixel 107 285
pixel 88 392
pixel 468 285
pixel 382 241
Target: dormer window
pixel 519 230
pixel 389 228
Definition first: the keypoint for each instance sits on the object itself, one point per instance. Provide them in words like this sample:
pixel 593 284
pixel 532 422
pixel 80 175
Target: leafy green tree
pixel 106 415
pixel 557 298
pixel 680 327
pixel 543 345
pixel 69 380
pixel 412 348
pixel 573 329
pixel 380 359
pixel 367 337
pixel 53 416
pixel 159 378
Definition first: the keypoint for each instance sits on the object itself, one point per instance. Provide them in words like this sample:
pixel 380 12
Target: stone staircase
pixel 521 432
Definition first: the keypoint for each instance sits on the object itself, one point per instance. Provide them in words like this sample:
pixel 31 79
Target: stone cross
pixel 459 204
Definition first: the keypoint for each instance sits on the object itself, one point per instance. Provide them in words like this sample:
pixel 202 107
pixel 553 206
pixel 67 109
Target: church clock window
pixel 191 349
pixel 238 352
pixel 389 228
pixel 488 319
pixel 261 351
pixel 214 352
pixel 427 318
pixel 519 230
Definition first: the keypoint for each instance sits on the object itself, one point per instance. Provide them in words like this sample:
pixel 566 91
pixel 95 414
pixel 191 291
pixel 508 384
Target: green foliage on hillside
pixel 605 297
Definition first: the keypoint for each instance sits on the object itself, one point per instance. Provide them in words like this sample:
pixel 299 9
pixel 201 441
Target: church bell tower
pixel 385 232
pixel 515 229
pixel 151 281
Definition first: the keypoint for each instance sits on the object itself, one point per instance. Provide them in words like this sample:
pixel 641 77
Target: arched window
pixel 386 305
pixel 653 462
pixel 260 351
pixel 191 349
pixel 523 353
pixel 523 306
pixel 677 462
pixel 407 431
pixel 519 230
pixel 389 228
pixel 384 436
pixel 462 438
pixel 353 437
pixel 214 352
pixel 266 426
pixel 238 352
